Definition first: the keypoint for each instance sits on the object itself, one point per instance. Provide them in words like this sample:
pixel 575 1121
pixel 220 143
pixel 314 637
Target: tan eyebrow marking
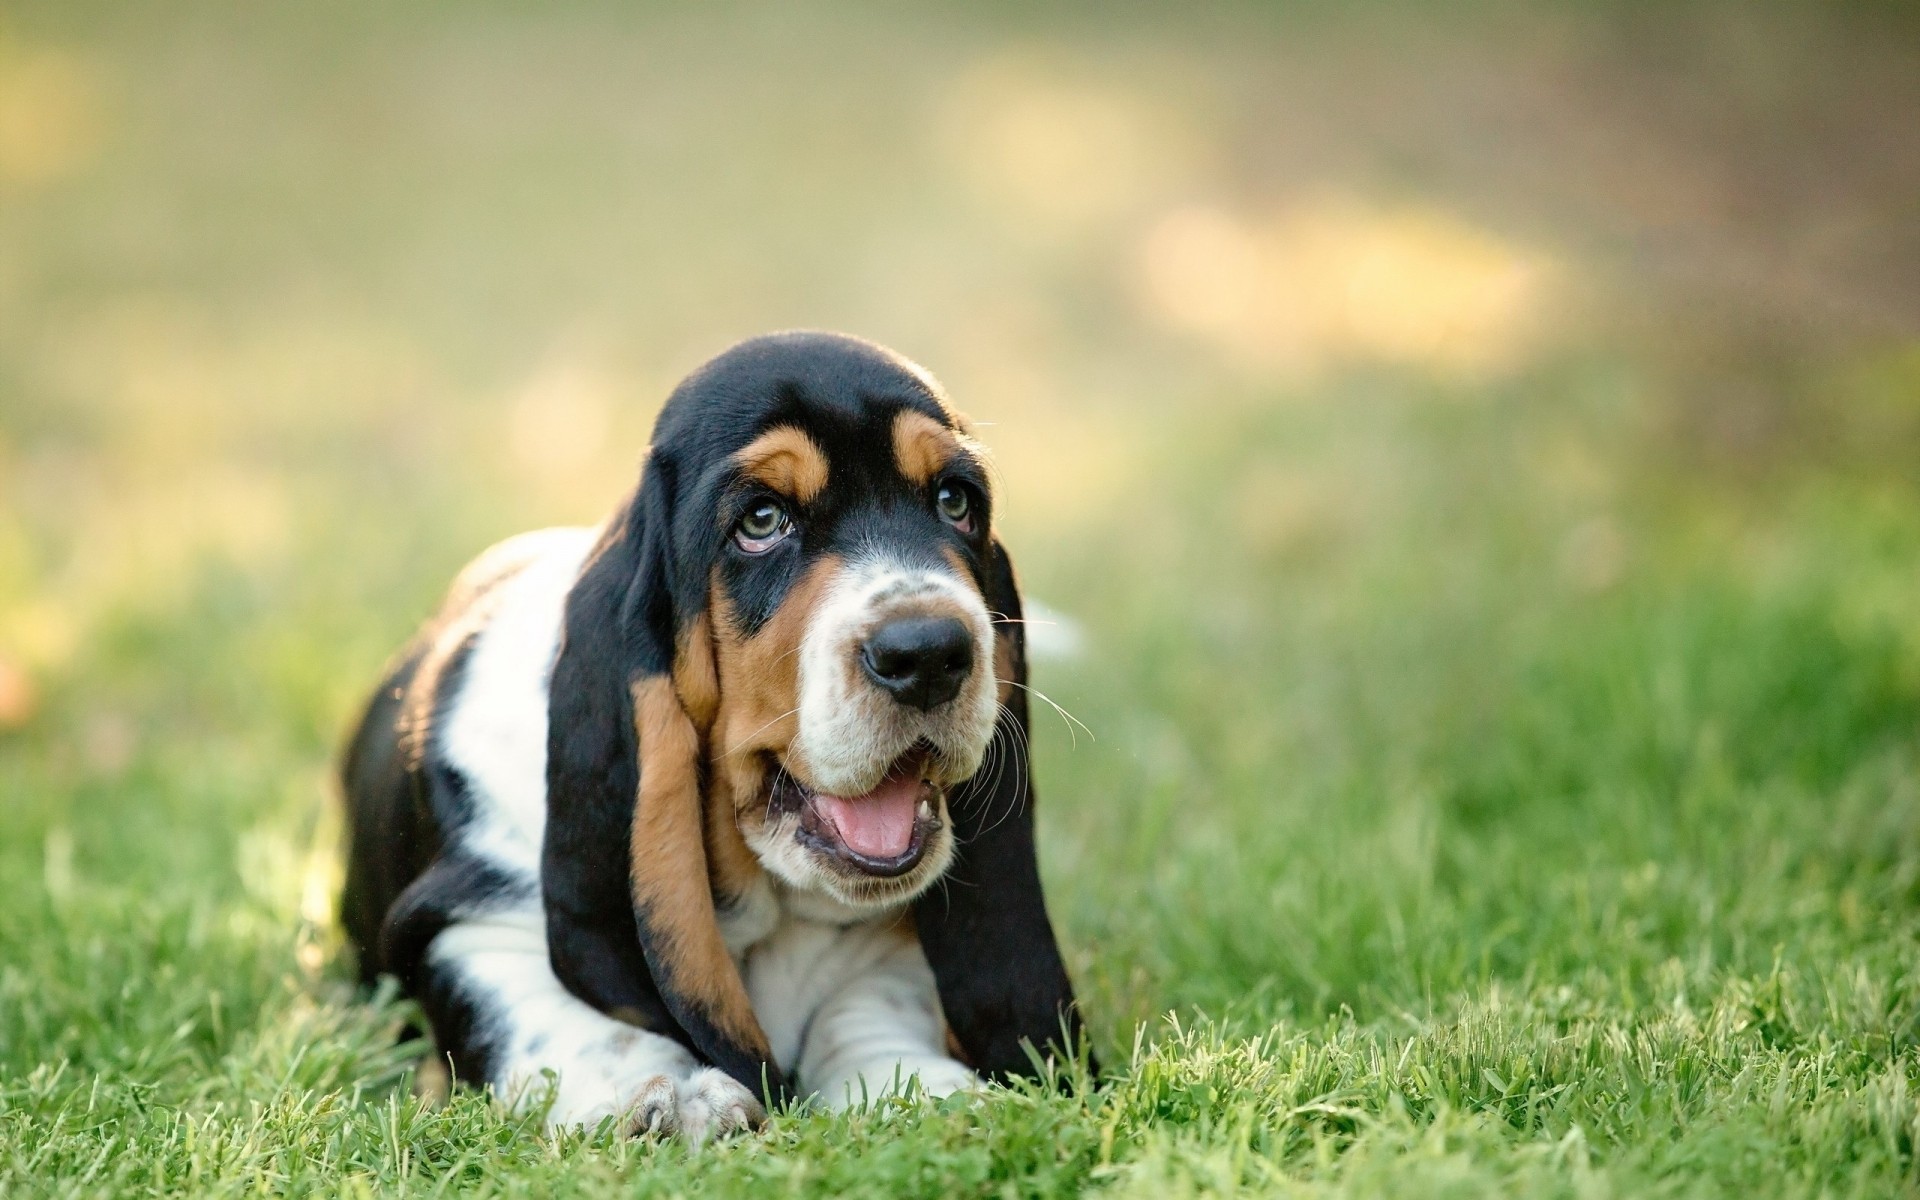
pixel 922 446
pixel 786 460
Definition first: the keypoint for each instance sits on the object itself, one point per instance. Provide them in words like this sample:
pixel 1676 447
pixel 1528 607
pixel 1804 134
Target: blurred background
pixel 1396 397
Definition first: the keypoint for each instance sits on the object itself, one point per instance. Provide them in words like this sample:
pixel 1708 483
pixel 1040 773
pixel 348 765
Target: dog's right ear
pixel 630 915
pixel 1003 987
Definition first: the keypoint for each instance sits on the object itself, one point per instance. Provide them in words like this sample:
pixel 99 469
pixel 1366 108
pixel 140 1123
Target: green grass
pixel 1503 779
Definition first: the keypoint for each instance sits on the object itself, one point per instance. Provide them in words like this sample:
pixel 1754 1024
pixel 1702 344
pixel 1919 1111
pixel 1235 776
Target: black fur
pixel 617 631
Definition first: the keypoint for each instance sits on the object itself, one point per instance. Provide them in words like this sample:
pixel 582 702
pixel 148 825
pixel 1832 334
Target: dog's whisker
pixel 743 742
pixel 1007 758
pixel 1069 717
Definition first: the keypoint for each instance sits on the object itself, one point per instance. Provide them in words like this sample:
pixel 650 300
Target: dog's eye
pixel 956 506
pixel 762 528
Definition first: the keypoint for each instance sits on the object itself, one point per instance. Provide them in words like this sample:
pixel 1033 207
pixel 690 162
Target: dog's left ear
pixel 1002 983
pixel 630 913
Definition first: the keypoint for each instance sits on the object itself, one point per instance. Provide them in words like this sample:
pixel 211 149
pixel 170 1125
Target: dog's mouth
pixel 883 832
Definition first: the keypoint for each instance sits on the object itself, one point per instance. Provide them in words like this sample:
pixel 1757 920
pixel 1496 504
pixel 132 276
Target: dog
pixel 727 802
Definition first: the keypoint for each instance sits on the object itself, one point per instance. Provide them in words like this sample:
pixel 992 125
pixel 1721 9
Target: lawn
pixel 1481 456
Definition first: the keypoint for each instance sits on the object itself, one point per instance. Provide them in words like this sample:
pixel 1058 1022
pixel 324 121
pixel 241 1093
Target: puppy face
pixel 852 678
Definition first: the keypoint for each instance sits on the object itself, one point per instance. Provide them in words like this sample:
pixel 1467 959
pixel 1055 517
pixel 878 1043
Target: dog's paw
pixel 944 1077
pixel 699 1106
pixel 647 1085
pixel 713 1105
pixel 655 1111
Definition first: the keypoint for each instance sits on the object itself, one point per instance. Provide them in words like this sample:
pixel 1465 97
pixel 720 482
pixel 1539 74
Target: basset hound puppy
pixel 727 800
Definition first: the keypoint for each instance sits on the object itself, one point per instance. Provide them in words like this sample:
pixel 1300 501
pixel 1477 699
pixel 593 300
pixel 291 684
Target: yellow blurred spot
pixel 1054 463
pixel 18 697
pixel 559 422
pixel 1051 144
pixel 148 538
pixel 1335 280
pixel 42 631
pixel 1056 469
pixel 322 874
pixel 49 114
pixel 310 957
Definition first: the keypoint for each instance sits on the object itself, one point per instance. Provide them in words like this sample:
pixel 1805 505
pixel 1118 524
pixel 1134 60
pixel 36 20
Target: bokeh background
pixel 1479 448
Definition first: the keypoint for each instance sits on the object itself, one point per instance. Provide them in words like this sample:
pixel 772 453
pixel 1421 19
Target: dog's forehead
pixel 838 389
pixel 883 445
pixel 819 418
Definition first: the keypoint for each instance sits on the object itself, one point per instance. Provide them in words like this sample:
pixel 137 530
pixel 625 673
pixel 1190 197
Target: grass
pixel 1505 769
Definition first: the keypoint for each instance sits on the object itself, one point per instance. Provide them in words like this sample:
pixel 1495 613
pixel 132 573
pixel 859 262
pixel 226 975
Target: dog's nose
pixel 922 661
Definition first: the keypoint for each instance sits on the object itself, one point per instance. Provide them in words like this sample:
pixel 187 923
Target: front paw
pixel 697 1104
pixel 944 1077
pixel 713 1104
pixel 655 1111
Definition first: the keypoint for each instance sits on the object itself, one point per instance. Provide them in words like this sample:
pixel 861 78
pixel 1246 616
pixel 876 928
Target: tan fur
pixel 732 868
pixel 922 446
pixel 694 680
pixel 759 688
pixel 958 564
pixel 787 461
pixel 671 887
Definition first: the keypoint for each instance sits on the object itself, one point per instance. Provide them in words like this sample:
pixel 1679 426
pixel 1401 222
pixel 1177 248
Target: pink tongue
pixel 880 823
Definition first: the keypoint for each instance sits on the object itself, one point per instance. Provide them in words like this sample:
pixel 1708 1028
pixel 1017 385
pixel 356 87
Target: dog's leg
pixel 879 1026
pixel 496 994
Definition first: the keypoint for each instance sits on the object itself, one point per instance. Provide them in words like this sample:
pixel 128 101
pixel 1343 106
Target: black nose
pixel 921 660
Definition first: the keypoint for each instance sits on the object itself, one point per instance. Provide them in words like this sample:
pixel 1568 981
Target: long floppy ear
pixel 631 926
pixel 1002 984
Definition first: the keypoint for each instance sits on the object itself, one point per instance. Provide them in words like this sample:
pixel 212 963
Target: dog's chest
pixel 805 952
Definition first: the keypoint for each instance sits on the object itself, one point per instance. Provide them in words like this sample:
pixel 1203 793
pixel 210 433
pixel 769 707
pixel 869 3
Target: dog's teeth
pixel 925 811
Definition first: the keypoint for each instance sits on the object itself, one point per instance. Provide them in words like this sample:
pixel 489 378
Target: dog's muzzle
pixel 883 833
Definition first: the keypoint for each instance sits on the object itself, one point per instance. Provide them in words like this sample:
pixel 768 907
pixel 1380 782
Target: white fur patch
pixel 546 1044
pixel 495 731
pixel 852 1011
pixel 851 731
pixel 751 917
